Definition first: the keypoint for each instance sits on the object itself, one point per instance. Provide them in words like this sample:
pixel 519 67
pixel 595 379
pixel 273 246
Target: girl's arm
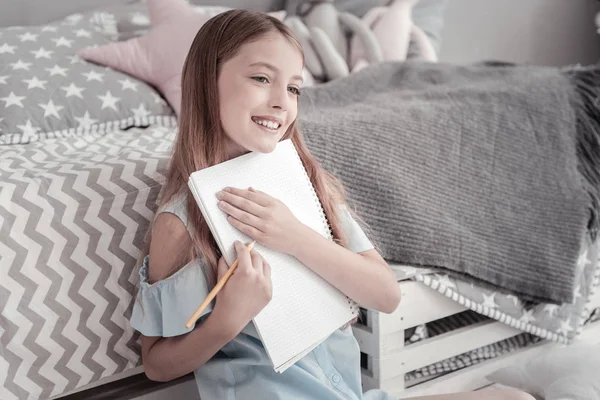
pixel 364 277
pixel 166 359
pixel 244 295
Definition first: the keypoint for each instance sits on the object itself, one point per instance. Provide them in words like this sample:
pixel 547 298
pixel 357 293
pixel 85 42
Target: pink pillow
pixel 158 56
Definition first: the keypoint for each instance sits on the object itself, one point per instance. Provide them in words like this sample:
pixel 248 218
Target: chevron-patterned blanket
pixel 73 215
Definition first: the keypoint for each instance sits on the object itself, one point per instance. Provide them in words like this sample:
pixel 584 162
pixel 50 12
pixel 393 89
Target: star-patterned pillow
pixel 47 91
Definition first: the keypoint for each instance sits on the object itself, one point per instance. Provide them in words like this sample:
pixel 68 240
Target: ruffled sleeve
pixel 357 240
pixel 163 308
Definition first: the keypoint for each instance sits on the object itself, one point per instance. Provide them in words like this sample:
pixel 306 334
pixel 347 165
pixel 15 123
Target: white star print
pixel 73 19
pixel 3 79
pixel 73 90
pixel 140 19
pixel 42 53
pixel 49 29
pixel 28 129
pixel 577 294
pixel 85 121
pixel 445 281
pixel 583 260
pixel 76 60
pixel 5 48
pixel 109 101
pixel 565 327
pixel 489 301
pixel 20 65
pixel 92 75
pixel 140 112
pixel 12 99
pixel 51 109
pixel 35 83
pixel 527 316
pixel 514 298
pixel 128 84
pixel 82 33
pixel 62 41
pixel 56 70
pixel 158 99
pixel 28 37
pixel 551 309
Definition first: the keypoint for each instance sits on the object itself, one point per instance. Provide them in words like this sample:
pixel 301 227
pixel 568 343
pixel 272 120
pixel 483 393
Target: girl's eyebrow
pixel 274 69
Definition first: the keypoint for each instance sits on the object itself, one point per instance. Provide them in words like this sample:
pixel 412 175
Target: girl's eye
pixel 260 79
pixel 295 90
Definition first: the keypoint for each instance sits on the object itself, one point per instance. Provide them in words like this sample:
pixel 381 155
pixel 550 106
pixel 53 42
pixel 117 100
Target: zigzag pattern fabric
pixel 73 216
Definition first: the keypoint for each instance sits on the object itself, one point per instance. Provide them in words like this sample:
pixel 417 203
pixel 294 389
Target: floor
pixel 188 391
pixel 185 391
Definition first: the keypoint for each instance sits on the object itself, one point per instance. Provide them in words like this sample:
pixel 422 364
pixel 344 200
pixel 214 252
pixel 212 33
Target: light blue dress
pixel 242 369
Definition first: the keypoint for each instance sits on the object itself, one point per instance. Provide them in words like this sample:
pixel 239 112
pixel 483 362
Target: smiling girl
pixel 240 87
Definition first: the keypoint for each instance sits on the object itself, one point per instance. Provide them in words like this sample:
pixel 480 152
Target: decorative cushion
pixel 158 56
pixel 47 91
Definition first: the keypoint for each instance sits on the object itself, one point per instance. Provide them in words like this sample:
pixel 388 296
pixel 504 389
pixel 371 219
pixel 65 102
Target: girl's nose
pixel 279 98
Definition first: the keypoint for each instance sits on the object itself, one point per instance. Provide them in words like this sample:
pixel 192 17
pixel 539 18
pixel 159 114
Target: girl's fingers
pixel 257 262
pixel 267 269
pixel 243 200
pixel 243 255
pixel 241 215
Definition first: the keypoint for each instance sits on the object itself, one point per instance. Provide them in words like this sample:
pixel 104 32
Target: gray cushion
pixel 46 91
pixel 558 373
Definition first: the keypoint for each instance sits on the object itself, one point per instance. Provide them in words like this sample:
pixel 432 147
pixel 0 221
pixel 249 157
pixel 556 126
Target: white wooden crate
pixel 381 338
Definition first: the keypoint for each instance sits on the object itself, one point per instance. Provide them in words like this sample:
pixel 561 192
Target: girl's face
pixel 258 92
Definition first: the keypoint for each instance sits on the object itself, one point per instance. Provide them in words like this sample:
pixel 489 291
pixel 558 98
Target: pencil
pixel 215 291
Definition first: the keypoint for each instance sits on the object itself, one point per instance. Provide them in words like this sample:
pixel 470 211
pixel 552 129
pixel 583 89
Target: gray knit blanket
pixel 490 172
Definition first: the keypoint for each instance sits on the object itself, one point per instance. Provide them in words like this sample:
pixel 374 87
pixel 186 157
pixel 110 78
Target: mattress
pixel 73 215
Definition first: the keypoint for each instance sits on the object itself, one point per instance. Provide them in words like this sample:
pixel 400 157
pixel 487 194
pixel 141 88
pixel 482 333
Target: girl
pixel 240 86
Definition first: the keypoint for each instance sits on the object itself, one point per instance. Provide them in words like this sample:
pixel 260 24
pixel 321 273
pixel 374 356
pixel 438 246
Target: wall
pixel 544 32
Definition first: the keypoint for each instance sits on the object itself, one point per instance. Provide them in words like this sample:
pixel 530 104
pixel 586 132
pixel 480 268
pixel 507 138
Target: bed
pixel 83 153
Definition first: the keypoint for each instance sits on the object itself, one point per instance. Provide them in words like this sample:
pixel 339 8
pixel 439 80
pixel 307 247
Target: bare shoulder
pixel 169 248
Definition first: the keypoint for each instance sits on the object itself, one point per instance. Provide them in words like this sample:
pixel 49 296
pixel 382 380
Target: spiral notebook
pixel 305 309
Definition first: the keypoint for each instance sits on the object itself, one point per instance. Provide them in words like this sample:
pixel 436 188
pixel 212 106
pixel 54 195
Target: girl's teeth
pixel 268 124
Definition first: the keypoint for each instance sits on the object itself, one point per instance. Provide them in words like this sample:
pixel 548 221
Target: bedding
pixel 158 56
pixel 558 323
pixel 47 91
pixel 433 157
pixel 73 215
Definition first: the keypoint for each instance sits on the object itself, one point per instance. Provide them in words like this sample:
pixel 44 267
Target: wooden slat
pixel 470 378
pixel 420 304
pixel 441 347
pixel 377 346
pixel 473 377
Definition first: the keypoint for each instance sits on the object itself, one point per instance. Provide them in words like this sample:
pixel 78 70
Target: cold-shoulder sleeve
pixel 163 308
pixel 356 239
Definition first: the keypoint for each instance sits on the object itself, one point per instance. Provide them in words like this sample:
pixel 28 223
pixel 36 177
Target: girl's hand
pixel 261 217
pixel 246 292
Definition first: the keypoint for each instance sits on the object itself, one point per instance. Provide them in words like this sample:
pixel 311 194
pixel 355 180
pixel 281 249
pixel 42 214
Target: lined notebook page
pixel 305 309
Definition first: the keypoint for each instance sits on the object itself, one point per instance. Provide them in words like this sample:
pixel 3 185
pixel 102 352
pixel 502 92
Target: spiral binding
pixel 314 193
pixel 352 303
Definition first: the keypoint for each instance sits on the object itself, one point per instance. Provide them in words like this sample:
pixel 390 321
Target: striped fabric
pixel 73 215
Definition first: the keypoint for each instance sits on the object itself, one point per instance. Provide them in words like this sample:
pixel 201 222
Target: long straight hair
pixel 201 140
